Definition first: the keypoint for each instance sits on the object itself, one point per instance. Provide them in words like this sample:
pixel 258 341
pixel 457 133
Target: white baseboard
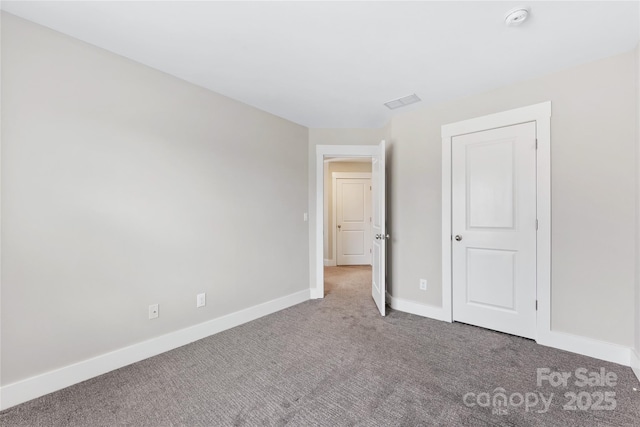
pixel 316 293
pixel 586 346
pixel 576 344
pixel 329 262
pixel 418 309
pixel 30 388
pixel 635 363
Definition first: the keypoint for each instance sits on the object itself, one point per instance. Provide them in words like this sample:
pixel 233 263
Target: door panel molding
pixel 541 115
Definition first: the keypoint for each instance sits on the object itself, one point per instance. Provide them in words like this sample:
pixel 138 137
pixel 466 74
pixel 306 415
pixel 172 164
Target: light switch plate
pixel 201 300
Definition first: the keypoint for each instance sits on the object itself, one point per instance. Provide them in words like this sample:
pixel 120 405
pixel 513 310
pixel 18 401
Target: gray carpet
pixel 336 362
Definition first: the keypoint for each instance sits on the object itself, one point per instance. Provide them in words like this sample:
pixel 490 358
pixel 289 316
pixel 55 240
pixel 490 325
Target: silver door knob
pixel 458 237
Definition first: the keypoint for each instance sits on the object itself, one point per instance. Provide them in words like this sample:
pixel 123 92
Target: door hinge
pixel 536 225
pixel 536 305
pixel 369 188
pixel 536 143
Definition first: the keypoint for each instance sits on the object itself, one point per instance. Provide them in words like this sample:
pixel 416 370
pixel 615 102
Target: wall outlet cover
pixel 154 311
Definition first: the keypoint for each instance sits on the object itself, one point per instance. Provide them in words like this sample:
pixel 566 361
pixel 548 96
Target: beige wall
pixel 593 191
pixel 122 187
pixel 593 184
pixel 328 197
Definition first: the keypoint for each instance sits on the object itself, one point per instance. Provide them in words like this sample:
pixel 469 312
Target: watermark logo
pixel 591 399
pixel 500 402
pixel 593 393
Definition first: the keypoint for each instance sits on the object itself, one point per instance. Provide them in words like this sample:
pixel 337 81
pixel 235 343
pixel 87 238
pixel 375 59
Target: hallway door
pixel 353 221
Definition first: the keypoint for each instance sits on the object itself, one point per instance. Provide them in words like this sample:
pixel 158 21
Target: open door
pixel 378 223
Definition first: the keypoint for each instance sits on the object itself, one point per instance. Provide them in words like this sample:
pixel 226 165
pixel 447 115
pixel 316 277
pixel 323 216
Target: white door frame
pixel 335 176
pixel 323 151
pixel 541 115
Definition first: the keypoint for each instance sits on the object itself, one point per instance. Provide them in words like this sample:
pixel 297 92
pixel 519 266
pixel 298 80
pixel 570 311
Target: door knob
pixel 339 226
pixel 458 237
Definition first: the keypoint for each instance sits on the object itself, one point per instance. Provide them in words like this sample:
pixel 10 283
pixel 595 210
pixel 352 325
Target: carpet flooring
pixel 336 362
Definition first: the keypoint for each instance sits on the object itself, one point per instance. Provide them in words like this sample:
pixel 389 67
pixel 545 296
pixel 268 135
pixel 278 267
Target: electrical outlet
pixel 201 300
pixel 153 311
pixel 423 284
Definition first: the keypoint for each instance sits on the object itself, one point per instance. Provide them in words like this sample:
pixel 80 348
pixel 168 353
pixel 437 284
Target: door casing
pixel 317 256
pixel 541 115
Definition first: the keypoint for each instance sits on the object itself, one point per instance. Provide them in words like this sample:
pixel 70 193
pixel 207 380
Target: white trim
pixel 424 310
pixel 325 201
pixel 635 363
pixel 316 293
pixel 334 190
pixel 497 120
pixel 543 201
pixel 541 115
pixel 329 262
pixel 30 388
pixel 447 264
pixel 588 347
pixel 635 351
pixel 348 160
pixel 317 284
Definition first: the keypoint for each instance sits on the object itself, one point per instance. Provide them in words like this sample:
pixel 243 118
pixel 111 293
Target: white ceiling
pixel 334 64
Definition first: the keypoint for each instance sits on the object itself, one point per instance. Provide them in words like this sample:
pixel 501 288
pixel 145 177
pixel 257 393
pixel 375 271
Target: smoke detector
pixel 516 16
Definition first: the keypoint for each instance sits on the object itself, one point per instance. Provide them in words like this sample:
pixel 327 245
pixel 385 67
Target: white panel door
pixel 378 225
pixel 353 221
pixel 494 229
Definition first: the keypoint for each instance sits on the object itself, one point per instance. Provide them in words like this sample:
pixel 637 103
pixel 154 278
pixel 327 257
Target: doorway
pixel 494 225
pixel 347 248
pixel 378 233
pixel 496 216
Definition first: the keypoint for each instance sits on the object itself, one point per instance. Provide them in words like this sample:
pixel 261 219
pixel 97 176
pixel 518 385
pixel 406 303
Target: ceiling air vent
pixel 401 102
